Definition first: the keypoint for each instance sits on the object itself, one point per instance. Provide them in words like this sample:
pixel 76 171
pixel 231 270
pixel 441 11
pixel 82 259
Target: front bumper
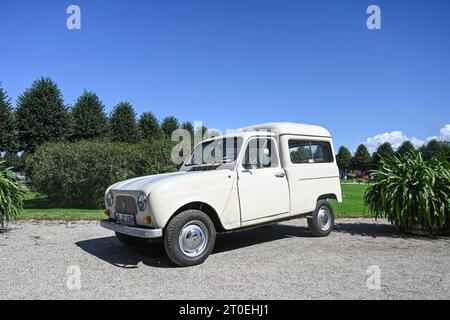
pixel 132 231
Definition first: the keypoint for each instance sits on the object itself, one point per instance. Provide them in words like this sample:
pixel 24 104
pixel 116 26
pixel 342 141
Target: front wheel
pixel 322 221
pixel 189 238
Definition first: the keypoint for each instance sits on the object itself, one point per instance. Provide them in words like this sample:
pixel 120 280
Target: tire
pixel 322 221
pixel 189 238
pixel 130 240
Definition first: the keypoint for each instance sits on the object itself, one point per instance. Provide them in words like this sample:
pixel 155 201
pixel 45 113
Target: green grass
pixel 38 207
pixel 352 204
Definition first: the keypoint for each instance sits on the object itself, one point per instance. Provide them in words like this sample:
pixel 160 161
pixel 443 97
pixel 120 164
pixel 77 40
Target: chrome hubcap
pixel 193 238
pixel 324 218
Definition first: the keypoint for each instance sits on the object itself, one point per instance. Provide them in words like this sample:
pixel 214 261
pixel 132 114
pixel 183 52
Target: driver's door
pixel 262 184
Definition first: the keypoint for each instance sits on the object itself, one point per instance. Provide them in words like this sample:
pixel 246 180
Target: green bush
pixel 411 192
pixel 11 194
pixel 77 174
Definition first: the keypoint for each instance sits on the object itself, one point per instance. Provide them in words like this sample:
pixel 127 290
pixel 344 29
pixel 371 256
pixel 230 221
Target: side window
pixel 321 152
pixel 300 151
pixel 305 151
pixel 260 153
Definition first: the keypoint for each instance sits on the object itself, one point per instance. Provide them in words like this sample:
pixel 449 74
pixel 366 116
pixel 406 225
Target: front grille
pixel 125 204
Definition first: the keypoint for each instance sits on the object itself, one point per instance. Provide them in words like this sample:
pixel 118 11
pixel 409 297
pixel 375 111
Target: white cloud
pixel 445 132
pixel 396 138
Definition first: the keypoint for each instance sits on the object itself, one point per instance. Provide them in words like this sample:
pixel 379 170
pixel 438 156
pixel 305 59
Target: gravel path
pixel 41 260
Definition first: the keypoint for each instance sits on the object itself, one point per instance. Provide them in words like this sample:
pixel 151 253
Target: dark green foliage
pixel 410 191
pixel 123 123
pixel 187 125
pixel 11 194
pixel 15 161
pixel 405 148
pixel 435 149
pixel 89 120
pixel 79 173
pixel 384 151
pixel 41 115
pixel 344 158
pixel 169 125
pixel 149 126
pixel 361 159
pixel 7 124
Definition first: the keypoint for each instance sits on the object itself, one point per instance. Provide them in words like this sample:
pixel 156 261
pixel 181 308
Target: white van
pixel 258 175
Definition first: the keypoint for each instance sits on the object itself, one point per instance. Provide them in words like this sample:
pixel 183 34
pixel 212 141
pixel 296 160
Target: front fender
pixel 212 188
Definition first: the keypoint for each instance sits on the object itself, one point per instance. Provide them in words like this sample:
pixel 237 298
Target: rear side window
pixel 307 151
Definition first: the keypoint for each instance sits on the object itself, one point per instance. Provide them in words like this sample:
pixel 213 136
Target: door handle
pixel 280 175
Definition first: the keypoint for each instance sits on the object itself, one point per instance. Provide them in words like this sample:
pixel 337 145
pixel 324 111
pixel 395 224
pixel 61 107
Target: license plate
pixel 127 219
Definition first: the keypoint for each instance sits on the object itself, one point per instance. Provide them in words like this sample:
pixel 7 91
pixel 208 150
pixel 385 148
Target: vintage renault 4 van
pixel 257 175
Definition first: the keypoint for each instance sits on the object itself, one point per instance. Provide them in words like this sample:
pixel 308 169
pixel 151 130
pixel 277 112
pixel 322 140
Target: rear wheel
pixel 322 221
pixel 189 238
pixel 130 240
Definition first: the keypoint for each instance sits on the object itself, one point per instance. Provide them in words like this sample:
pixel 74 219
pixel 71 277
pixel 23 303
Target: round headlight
pixel 109 199
pixel 142 201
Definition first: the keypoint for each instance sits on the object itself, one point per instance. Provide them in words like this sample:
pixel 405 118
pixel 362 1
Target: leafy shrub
pixel 77 174
pixel 11 194
pixel 411 192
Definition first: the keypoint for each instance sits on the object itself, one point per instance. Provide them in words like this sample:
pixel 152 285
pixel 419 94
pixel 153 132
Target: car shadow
pixel 153 254
pixel 111 250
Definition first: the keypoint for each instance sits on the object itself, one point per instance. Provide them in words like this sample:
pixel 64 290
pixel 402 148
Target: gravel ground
pixel 40 259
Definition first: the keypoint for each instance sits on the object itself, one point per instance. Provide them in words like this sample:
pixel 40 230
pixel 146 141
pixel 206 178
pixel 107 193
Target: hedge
pixel 77 174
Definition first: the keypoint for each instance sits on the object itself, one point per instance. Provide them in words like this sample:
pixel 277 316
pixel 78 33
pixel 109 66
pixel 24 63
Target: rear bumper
pixel 132 231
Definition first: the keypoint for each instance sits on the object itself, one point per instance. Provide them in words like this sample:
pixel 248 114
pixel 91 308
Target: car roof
pixel 288 128
pixel 276 128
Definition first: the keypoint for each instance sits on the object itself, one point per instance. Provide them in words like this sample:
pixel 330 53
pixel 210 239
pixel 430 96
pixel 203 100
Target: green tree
pixel 187 125
pixel 8 125
pixel 405 148
pixel 89 120
pixel 149 126
pixel 123 123
pixel 344 158
pixel 384 151
pixel 435 149
pixel 41 115
pixel 169 125
pixel 361 159
pixel 12 160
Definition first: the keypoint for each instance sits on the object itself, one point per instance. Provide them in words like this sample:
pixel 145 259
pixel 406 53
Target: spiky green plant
pixel 410 191
pixel 11 194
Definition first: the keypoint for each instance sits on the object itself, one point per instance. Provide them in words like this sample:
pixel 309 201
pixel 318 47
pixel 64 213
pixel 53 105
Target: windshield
pixel 217 151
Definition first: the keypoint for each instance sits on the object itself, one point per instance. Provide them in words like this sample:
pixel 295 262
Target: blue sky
pixel 231 63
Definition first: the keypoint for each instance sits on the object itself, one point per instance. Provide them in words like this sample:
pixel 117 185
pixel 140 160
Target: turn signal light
pixel 106 212
pixel 147 220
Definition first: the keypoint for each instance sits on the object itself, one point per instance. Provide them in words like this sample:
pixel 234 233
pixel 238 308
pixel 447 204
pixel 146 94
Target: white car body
pixel 234 197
